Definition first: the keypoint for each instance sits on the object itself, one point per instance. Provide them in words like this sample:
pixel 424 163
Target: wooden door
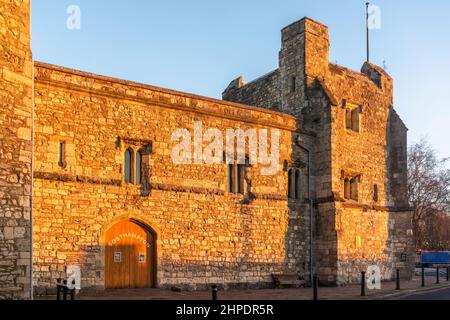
pixel 129 256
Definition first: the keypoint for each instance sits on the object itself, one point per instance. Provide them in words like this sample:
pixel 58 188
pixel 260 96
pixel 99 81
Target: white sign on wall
pixel 73 273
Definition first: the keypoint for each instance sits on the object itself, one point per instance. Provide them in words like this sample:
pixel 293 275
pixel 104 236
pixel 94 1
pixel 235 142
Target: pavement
pixel 410 290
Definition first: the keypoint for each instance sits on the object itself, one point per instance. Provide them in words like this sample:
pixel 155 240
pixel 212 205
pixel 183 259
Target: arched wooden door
pixel 129 256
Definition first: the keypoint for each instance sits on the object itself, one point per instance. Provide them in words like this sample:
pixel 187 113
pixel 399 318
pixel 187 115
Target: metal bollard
pixel 363 284
pixel 437 275
pixel 398 280
pixel 214 290
pixel 65 290
pixel 315 287
pixel 423 277
pixel 58 289
pixel 72 291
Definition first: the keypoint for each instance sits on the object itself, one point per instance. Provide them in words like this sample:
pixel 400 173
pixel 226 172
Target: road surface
pixel 441 294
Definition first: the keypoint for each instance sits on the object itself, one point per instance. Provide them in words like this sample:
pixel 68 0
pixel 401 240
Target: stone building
pixel 88 178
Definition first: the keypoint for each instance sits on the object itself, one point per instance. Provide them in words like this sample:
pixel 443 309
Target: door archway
pixel 130 256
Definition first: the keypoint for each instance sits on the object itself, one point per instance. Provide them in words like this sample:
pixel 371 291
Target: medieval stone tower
pixel 357 148
pixel 16 92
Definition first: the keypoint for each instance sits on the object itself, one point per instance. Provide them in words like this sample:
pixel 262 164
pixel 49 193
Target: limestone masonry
pixel 336 205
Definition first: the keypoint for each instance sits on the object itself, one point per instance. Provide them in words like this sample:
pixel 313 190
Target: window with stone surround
pixel 136 161
pixel 351 188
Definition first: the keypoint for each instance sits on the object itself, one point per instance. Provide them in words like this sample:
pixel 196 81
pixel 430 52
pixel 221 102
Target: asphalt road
pixel 442 294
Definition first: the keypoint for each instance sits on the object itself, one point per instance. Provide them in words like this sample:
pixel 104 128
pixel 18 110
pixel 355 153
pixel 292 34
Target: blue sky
pixel 199 46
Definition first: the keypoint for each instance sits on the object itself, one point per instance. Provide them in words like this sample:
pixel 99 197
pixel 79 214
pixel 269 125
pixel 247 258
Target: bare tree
pixel 428 187
pixel 436 235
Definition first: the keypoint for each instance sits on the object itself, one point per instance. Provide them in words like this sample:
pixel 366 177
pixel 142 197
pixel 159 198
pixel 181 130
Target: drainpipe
pixel 32 163
pixel 32 183
pixel 311 213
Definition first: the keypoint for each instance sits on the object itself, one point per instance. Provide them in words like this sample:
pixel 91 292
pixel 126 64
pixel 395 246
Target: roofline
pixel 304 19
pixel 157 89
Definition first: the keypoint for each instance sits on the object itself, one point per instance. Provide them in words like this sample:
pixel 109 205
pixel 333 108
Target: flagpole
pixel 367 32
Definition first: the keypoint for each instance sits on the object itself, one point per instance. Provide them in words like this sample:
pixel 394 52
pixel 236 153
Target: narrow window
pixel 62 155
pixel 290 179
pixel 297 184
pixel 139 167
pixel 347 189
pixel 240 174
pixel 355 119
pixel 128 172
pixel 375 193
pixel 348 118
pixel 230 178
pixel 293 84
pixel 236 178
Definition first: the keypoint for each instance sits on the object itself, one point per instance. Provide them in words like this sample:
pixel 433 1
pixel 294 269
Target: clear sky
pixel 199 46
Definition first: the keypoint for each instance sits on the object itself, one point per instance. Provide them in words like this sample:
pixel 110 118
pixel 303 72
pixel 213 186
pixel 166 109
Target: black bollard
pixel 437 275
pixel 58 289
pixel 315 287
pixel 423 277
pixel 448 271
pixel 72 291
pixel 363 284
pixel 398 280
pixel 65 289
pixel 214 290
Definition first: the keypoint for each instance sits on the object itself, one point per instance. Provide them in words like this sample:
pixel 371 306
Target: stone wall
pixel 15 149
pixel 205 234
